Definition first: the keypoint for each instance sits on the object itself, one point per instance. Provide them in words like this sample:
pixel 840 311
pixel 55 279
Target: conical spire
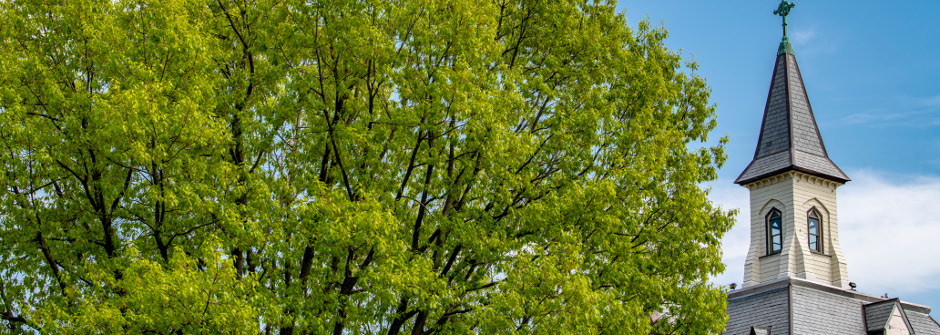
pixel 789 138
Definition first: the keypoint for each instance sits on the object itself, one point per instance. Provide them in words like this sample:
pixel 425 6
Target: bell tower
pixel 792 183
pixel 795 278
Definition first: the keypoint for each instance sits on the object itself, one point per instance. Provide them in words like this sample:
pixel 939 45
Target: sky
pixel 871 71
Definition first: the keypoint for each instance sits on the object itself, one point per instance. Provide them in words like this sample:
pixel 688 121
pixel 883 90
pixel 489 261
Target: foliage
pixel 363 167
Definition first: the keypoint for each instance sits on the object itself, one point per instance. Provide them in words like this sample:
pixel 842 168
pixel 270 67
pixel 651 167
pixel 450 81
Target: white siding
pixel 794 194
pixel 896 325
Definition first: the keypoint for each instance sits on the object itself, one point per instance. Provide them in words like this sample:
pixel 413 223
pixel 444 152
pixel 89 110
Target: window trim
pixel 819 230
pixel 768 234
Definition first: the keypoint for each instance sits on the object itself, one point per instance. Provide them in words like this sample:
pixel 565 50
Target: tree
pixel 352 167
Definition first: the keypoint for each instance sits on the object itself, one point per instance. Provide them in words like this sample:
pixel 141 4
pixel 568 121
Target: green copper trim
pixel 783 10
pixel 785 47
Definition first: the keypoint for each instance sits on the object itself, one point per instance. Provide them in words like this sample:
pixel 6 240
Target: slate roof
pixel 766 309
pixel 798 306
pixel 878 313
pixel 815 310
pixel 789 138
pixel 923 323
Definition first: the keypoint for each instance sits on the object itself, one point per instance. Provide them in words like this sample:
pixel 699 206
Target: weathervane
pixel 783 10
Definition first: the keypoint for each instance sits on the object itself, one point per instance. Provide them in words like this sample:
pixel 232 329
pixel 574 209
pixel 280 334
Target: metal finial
pixel 783 10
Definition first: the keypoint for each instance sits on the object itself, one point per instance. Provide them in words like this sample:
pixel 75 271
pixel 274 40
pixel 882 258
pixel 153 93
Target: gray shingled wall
pixel 763 309
pixel 818 312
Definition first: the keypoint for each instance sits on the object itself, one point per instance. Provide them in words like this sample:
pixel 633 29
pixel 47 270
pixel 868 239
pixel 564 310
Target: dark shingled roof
pixel 878 313
pixel 789 138
pixel 922 323
pixel 815 310
pixel 798 306
pixel 769 308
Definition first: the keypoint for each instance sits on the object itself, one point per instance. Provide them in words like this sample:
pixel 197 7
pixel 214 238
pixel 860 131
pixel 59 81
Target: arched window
pixel 814 230
pixel 774 231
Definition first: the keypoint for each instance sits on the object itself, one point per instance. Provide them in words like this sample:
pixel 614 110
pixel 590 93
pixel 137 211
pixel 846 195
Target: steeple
pixel 789 138
pixel 795 274
pixel 792 184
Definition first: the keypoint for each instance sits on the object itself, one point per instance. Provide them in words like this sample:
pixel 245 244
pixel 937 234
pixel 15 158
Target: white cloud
pixel 916 112
pixel 808 43
pixel 735 243
pixel 931 102
pixel 803 36
pixel 889 229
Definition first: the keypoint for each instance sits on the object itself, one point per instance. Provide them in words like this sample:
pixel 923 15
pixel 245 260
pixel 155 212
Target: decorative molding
pixel 795 175
pixel 769 180
pixel 803 177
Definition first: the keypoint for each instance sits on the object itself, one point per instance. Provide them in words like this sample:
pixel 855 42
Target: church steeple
pixel 795 275
pixel 789 138
pixel 792 182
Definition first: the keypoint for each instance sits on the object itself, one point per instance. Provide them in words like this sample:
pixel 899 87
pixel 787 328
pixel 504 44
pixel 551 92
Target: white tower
pixel 794 221
pixel 795 279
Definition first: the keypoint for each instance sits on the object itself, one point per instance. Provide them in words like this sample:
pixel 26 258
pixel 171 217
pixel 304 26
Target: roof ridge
pixel 897 299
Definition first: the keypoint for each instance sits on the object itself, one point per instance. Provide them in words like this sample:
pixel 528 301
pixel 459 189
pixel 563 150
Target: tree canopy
pixel 352 167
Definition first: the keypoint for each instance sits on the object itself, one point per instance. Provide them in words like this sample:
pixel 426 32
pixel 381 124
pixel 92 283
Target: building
pixel 795 274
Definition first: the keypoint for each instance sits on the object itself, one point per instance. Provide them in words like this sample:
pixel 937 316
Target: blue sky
pixel 871 70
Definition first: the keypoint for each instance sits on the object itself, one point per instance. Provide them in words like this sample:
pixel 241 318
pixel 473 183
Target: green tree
pixel 359 167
